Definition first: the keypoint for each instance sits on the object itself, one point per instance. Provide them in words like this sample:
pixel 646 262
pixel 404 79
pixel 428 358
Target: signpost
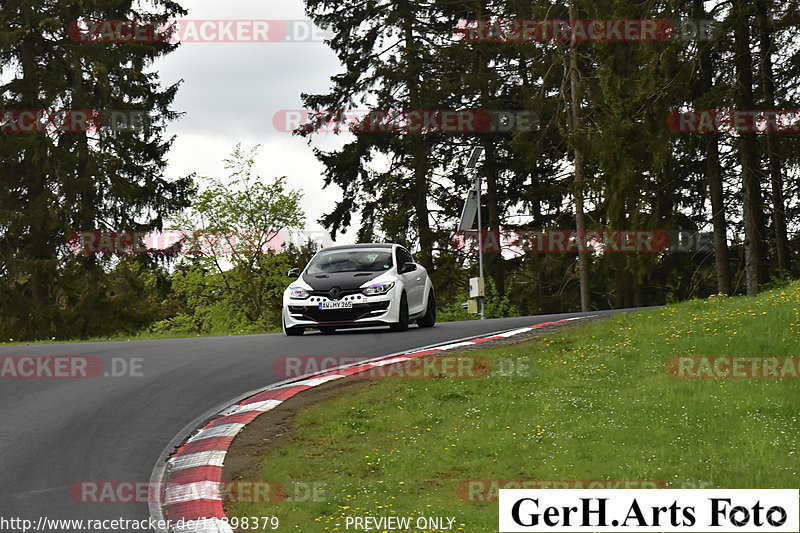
pixel 471 206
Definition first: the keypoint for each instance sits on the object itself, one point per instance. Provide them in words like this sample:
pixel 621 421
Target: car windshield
pixel 350 261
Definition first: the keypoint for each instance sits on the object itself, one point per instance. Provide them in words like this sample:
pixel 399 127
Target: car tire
pixel 429 318
pixel 292 332
pixel 402 324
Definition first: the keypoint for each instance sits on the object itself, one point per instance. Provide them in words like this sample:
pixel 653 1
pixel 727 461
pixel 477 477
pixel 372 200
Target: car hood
pixel 343 280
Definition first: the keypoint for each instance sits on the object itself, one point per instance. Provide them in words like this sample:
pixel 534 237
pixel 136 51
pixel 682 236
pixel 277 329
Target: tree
pixel 236 223
pixel 388 50
pixel 577 161
pixel 57 181
pixel 766 30
pixel 704 98
pixel 752 199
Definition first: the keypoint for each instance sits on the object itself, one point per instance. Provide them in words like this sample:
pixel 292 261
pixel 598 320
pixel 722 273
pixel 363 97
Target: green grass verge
pixel 149 336
pixel 143 336
pixel 599 406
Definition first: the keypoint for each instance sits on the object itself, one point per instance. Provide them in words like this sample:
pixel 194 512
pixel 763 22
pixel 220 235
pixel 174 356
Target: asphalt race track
pixel 60 431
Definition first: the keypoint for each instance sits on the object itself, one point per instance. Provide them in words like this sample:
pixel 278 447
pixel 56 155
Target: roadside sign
pixel 474 156
pixel 469 211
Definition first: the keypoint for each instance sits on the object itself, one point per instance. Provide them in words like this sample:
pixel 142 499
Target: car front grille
pixel 356 312
pixel 345 292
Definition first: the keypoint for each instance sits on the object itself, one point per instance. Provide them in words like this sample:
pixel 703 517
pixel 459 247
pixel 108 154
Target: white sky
pixel 231 92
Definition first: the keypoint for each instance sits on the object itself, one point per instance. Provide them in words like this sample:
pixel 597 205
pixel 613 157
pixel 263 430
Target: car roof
pixel 385 245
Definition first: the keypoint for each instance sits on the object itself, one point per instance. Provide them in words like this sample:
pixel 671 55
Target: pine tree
pixel 73 179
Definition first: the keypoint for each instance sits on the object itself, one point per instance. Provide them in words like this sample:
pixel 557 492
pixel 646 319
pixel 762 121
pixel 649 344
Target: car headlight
pixel 298 293
pixel 379 288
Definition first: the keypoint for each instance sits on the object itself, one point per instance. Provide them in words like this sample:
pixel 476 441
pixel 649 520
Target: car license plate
pixel 340 304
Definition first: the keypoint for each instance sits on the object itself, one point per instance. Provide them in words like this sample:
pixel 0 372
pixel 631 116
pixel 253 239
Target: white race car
pixel 359 285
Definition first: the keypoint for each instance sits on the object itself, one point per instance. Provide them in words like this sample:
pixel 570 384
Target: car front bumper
pixel 367 312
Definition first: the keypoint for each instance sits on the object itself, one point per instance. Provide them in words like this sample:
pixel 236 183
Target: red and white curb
pixel 194 470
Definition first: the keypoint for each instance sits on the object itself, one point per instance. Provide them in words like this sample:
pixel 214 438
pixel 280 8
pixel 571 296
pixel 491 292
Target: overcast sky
pixel 231 92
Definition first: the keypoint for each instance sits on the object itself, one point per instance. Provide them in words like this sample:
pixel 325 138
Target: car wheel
pixel 429 319
pixel 402 324
pixel 292 332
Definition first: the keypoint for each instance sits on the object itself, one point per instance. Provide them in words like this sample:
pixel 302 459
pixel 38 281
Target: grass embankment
pixel 142 336
pixel 601 406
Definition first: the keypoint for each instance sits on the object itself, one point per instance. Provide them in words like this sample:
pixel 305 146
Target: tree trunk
pixel 773 157
pixel 748 154
pixel 495 262
pixel 575 126
pixel 36 211
pixel 714 180
pixel 713 170
pixel 418 147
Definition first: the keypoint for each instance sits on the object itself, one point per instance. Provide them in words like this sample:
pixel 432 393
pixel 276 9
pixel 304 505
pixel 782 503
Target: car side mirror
pixel 294 272
pixel 408 267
